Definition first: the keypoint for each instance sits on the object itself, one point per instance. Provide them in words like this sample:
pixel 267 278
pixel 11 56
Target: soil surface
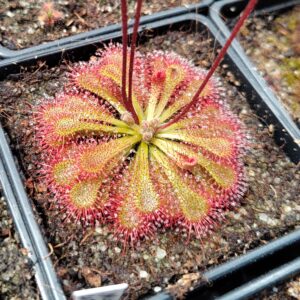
pixel 25 23
pixel 92 257
pixel 16 275
pixel 278 58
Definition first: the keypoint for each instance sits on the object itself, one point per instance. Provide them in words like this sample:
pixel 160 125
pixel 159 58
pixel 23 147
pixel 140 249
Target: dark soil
pixel 16 275
pixel 20 26
pixel 278 57
pixel 92 257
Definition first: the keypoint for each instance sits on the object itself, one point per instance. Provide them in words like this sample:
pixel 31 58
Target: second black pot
pixel 225 11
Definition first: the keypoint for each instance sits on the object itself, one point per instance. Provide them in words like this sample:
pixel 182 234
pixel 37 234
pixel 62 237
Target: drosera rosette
pixel 133 157
pixel 48 15
pixel 91 141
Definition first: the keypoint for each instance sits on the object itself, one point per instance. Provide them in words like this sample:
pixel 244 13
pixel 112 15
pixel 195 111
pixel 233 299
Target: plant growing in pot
pixel 143 145
pixel 162 253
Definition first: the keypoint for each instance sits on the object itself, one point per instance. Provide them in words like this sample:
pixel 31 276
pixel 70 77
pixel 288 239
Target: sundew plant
pixel 143 142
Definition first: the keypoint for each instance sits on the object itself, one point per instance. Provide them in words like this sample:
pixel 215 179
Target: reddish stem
pixel 133 46
pixel 124 49
pixel 128 104
pixel 216 63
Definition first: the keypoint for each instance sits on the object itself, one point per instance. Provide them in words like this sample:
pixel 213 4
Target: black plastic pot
pixel 201 7
pixel 225 11
pixel 221 279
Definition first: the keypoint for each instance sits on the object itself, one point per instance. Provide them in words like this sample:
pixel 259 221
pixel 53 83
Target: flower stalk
pixel 249 8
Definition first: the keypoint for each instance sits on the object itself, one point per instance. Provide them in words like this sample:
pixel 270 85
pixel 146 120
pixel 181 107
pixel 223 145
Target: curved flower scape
pixel 101 165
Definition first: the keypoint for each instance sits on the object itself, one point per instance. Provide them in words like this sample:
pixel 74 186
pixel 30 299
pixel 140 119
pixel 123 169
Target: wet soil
pixel 91 257
pixel 22 23
pixel 16 274
pixel 278 57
